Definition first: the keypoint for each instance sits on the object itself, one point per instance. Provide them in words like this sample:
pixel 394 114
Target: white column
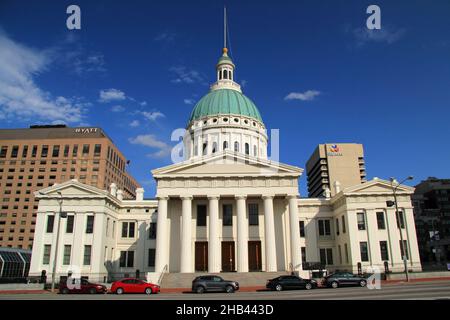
pixel 269 228
pixel 414 257
pixel 374 243
pixel 294 231
pixel 394 238
pixel 186 236
pixel 242 235
pixel 162 250
pixel 214 250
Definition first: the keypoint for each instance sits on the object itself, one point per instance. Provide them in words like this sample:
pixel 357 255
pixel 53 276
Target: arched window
pixel 225 74
pixel 220 75
pixel 225 145
pixel 236 146
pixel 214 147
pixel 205 148
pixel 247 148
pixel 255 151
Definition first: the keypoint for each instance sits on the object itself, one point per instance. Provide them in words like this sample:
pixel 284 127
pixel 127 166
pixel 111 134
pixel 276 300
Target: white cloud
pixel 387 34
pixel 150 140
pixel 166 36
pixel 152 116
pixel 143 103
pixel 135 123
pixel 109 95
pixel 20 96
pixel 117 108
pixel 184 75
pixel 189 101
pixel 305 96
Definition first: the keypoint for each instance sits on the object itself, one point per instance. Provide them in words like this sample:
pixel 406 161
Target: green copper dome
pixel 225 102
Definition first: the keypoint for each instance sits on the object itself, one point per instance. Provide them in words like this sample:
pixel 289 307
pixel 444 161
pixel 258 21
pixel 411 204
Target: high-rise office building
pixel 431 200
pixel 38 157
pixel 335 163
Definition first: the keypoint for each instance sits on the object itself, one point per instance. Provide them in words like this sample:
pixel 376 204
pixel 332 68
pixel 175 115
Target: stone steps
pixel 245 279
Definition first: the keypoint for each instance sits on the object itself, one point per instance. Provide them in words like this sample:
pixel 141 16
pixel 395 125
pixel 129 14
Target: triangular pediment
pixel 70 188
pixel 377 186
pixel 227 164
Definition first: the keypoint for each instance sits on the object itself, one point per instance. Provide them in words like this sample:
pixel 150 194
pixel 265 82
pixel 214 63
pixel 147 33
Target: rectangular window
pixel 128 229
pixel 97 150
pixel 25 151
pixel 3 152
pixel 380 221
pixel 47 251
pixel 303 255
pixel 50 223
pixel 324 228
pixel 126 259
pixel 69 224
pixel 227 214
pixel 201 216
pixel 90 224
pixel 152 231
pixel 346 252
pixel 404 249
pixel 253 214
pixel 44 151
pixel 361 221
pixel 34 151
pixel 151 257
pixel 364 251
pixel 75 150
pixel 55 152
pixel 14 151
pixel 343 225
pixel 302 228
pixel 87 255
pixel 66 150
pixel 400 220
pixel 85 149
pixel 337 226
pixel 66 257
pixel 384 251
pixel 326 256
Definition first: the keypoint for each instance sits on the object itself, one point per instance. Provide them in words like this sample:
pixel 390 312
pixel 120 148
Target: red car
pixel 82 286
pixel 133 285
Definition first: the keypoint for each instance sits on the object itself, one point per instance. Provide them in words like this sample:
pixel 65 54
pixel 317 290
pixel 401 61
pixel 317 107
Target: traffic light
pixel 390 203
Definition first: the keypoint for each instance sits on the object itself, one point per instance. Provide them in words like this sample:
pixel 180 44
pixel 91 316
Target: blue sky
pixel 136 67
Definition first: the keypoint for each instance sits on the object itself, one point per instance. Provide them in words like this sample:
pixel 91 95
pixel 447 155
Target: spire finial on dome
pixel 225 50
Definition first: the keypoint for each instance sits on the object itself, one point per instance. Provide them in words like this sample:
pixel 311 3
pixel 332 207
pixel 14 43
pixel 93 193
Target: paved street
pixel 424 290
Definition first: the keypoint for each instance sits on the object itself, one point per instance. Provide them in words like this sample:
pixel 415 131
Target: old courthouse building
pixel 226 207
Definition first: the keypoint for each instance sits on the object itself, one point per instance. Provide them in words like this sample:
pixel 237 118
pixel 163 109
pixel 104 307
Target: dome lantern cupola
pixel 225 73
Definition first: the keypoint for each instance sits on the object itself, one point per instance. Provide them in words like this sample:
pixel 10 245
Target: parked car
pixel 290 282
pixel 342 279
pixel 81 286
pixel 213 283
pixel 133 285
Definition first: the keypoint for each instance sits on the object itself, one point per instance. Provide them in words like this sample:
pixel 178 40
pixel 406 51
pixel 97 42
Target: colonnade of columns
pixel 214 243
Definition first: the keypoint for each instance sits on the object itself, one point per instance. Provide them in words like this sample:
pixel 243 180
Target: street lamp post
pixel 60 215
pixel 402 243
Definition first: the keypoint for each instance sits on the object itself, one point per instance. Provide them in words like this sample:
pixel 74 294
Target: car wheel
pixel 65 291
pixel 92 291
pixel 148 291
pixel 279 287
pixel 200 289
pixel 334 284
pixel 229 289
pixel 308 286
pixel 119 291
pixel 363 283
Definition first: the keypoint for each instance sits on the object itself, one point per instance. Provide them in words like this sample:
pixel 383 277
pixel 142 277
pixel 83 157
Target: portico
pixel 227 221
